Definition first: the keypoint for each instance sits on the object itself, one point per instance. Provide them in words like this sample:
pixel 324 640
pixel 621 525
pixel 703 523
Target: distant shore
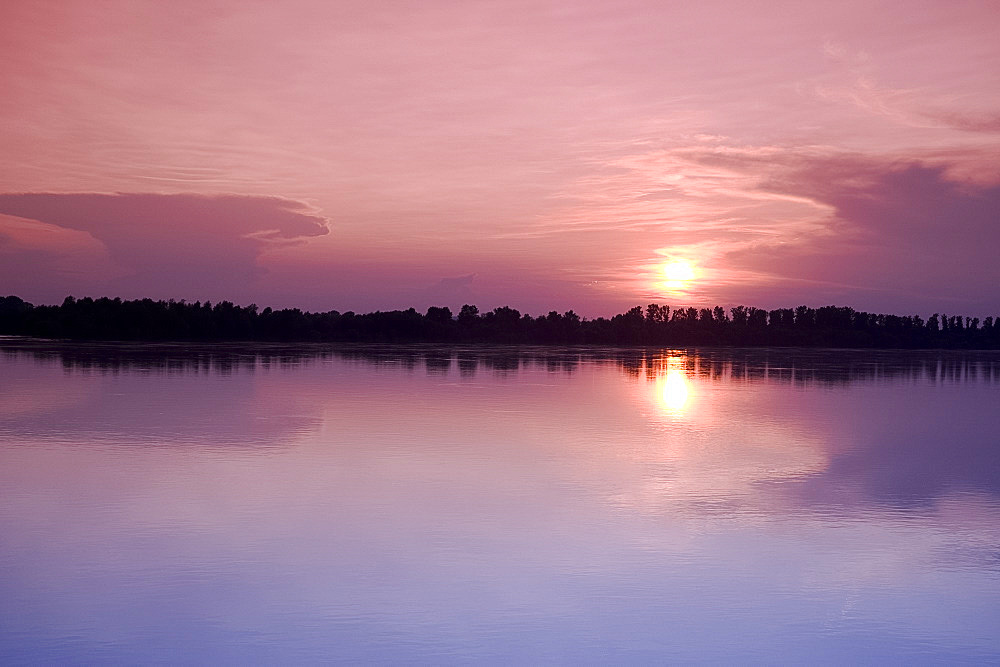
pixel 146 320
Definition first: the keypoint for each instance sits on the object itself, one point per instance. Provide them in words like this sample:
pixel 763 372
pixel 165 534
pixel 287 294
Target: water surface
pixel 447 505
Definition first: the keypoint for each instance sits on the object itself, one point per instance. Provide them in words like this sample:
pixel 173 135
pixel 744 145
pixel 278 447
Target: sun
pixel 678 270
pixel 677 276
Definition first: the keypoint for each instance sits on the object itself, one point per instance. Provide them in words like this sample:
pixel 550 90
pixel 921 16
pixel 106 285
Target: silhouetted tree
pixel 104 318
pixel 440 315
pixel 467 314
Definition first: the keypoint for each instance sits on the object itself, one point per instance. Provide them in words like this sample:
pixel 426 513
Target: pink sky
pixel 545 155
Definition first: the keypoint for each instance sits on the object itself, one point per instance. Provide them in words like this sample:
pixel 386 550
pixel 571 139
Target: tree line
pixel 656 325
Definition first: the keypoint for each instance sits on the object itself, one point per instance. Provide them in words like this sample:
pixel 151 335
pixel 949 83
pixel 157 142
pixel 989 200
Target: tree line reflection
pixel 730 365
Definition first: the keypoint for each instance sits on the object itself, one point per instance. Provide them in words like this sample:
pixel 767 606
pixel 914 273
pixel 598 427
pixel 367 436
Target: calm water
pixel 431 505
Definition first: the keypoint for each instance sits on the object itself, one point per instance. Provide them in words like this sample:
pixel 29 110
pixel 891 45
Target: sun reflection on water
pixel 674 391
pixel 673 388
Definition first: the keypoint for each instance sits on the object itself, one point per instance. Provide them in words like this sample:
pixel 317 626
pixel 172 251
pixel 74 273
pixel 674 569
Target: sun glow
pixel 677 274
pixel 679 270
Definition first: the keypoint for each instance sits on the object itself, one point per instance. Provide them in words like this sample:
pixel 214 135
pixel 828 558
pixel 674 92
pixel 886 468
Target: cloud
pixel 176 245
pixel 906 230
pixel 456 283
pixel 985 122
pixel 854 81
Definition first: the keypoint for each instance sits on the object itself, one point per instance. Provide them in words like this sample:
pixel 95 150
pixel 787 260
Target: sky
pixel 547 155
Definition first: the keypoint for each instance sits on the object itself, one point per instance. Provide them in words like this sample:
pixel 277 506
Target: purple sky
pixel 545 155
